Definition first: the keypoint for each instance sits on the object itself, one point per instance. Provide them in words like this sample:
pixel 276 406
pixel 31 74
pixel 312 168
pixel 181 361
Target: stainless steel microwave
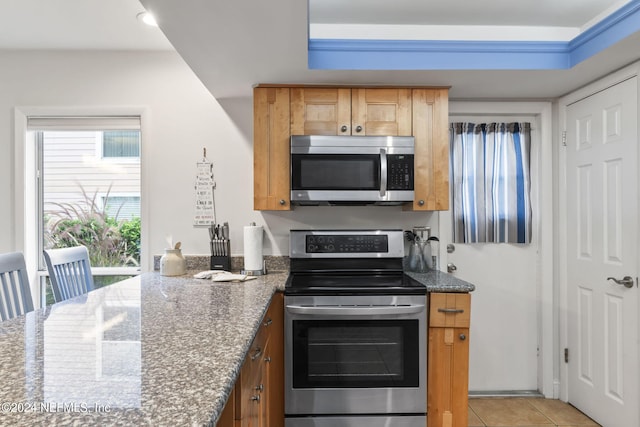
pixel 351 170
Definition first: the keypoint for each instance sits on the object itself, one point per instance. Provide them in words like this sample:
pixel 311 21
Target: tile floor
pixel 524 411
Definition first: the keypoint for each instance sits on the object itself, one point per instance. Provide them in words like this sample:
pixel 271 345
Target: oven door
pixel 355 355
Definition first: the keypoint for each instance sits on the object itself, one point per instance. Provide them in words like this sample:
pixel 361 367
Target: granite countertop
pixel 150 350
pixel 438 281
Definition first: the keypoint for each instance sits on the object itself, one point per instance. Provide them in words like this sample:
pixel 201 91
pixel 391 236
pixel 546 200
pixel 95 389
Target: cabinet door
pixel 448 377
pixel 448 359
pixel 250 407
pixel 431 133
pixel 381 112
pixel 249 402
pixel 274 362
pixel 320 111
pixel 227 417
pixel 271 189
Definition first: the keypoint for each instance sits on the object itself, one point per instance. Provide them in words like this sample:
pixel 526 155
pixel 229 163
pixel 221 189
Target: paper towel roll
pixel 253 247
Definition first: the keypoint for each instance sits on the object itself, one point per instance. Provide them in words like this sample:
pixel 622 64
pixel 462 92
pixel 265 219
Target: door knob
pixel 626 281
pixel 451 267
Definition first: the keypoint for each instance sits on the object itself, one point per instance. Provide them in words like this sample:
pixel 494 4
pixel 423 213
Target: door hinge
pixel 566 355
pixel 564 138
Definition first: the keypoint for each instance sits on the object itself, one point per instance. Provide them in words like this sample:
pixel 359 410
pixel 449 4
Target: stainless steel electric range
pixel 355 332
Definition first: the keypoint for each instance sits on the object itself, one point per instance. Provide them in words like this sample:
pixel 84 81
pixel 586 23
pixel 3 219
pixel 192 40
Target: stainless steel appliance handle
pixel 356 311
pixel 383 172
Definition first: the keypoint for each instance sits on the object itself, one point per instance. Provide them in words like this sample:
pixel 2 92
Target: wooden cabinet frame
pixel 257 399
pixel 282 111
pixel 448 360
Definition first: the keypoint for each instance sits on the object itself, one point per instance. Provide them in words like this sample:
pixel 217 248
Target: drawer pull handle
pixel 256 353
pixel 450 310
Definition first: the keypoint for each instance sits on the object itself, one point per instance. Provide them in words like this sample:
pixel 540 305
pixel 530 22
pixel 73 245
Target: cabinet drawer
pixel 450 310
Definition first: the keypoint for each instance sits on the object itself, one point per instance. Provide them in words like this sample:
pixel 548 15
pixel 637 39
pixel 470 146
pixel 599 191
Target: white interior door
pixel 503 338
pixel 602 240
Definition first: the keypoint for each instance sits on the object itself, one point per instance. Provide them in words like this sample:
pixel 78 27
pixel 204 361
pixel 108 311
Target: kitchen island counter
pixel 150 350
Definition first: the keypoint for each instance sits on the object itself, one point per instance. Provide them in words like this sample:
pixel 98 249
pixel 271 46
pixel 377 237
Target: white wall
pixel 181 118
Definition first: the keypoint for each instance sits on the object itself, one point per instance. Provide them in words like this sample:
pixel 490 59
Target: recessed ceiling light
pixel 147 18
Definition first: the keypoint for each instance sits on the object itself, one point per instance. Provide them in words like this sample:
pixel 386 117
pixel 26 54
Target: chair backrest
pixel 15 293
pixel 69 272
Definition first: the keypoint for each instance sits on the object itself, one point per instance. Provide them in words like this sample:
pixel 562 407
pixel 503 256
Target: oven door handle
pixel 356 311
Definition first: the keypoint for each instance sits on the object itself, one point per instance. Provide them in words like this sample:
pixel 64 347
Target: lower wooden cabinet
pixel 257 399
pixel 448 363
pixel 258 396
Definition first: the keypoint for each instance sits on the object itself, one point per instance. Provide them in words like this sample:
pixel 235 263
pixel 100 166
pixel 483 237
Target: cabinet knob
pixel 256 398
pixel 463 337
pixel 260 387
pixel 344 128
pixel 358 128
pixel 267 359
pixel 268 322
pixel 282 202
pixel 421 202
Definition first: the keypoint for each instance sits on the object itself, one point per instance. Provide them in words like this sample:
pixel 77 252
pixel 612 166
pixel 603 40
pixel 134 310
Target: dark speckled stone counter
pixel 437 281
pixel 150 350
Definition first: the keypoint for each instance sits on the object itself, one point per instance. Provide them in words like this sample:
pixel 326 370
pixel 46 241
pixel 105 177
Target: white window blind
pixel 83 123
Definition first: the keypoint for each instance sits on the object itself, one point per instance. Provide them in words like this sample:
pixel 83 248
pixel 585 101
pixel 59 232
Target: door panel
pixel 381 112
pixel 320 111
pixel 602 235
pixel 503 351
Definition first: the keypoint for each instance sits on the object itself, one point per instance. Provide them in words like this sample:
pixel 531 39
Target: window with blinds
pixel 121 143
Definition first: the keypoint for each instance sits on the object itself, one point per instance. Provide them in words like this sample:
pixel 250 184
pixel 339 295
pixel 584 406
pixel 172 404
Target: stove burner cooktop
pixel 345 284
pixel 349 262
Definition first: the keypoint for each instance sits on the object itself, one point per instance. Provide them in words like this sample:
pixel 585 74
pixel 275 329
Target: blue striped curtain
pixel 490 182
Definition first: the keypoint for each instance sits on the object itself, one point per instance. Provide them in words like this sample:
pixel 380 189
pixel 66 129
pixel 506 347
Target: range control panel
pixel 338 244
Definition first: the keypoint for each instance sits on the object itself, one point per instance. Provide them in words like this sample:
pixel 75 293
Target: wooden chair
pixel 69 272
pixel 15 293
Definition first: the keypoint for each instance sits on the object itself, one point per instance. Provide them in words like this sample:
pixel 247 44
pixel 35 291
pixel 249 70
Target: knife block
pixel 221 263
pixel 221 255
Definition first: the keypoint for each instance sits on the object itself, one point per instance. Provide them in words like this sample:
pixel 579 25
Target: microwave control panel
pixel 399 172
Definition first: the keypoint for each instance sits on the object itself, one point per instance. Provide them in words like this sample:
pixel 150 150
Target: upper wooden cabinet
pixel 280 112
pixel 431 133
pixel 271 149
pixel 356 111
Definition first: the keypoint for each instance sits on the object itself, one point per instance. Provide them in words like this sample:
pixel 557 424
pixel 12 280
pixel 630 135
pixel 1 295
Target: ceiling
pixel 561 13
pixel 77 24
pixel 234 45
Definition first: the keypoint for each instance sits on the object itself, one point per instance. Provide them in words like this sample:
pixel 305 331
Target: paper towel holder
pixel 256 272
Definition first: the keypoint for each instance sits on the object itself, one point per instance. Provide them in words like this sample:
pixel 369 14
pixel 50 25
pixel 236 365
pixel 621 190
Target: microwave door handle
pixel 383 172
